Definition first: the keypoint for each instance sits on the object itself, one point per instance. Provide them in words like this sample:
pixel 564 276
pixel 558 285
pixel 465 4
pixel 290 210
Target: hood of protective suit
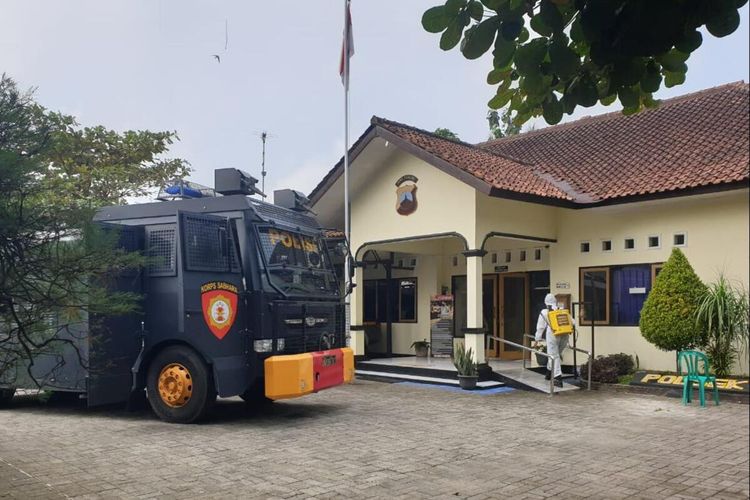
pixel 550 300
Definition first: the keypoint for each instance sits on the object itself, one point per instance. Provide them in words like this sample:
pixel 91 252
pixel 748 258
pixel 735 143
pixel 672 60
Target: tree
pixel 446 134
pixel 582 51
pixel 502 124
pixel 55 264
pixel 668 315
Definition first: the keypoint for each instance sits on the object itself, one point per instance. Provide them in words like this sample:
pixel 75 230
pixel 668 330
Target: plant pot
pixel 421 351
pixel 467 382
pixel 541 360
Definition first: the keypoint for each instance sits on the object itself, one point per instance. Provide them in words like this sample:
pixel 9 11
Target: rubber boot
pixel 547 375
pixel 558 381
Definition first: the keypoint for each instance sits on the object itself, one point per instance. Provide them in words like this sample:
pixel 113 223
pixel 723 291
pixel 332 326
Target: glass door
pixel 514 313
pixel 489 313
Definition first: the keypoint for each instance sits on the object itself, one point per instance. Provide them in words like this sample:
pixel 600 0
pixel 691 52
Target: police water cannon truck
pixel 239 297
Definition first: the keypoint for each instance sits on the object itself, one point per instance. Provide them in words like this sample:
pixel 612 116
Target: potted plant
pixel 540 347
pixel 420 348
pixel 463 360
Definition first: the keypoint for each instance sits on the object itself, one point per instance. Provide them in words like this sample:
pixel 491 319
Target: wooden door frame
pixel 493 353
pixel 500 320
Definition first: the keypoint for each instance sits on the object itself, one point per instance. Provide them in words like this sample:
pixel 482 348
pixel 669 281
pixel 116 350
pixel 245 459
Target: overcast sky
pixel 147 64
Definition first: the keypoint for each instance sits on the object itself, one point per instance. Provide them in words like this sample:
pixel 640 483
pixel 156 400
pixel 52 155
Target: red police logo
pixel 219 301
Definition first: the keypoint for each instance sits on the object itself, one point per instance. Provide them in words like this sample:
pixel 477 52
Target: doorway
pixel 513 313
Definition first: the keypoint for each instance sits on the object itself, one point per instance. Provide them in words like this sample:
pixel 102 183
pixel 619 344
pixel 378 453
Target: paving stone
pixel 373 440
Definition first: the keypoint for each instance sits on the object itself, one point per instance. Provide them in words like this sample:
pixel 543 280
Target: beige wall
pixel 445 204
pixel 717 240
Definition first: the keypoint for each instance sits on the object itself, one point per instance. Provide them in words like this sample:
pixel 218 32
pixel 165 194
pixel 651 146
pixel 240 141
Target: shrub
pixel 668 315
pixel 609 369
pixel 723 317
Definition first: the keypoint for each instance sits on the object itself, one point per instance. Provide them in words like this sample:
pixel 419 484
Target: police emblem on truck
pixel 219 304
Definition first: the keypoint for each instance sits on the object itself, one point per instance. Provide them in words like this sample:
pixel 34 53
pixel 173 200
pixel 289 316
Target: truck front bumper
pixel 295 375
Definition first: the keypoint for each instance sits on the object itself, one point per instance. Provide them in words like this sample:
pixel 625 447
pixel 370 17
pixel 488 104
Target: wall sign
pixel 406 195
pixel 501 269
pixel 562 285
pixel 441 325
pixel 731 385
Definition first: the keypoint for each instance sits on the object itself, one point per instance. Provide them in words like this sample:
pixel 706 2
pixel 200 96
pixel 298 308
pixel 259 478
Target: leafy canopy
pixel 446 133
pixel 668 315
pixel 55 264
pixel 551 56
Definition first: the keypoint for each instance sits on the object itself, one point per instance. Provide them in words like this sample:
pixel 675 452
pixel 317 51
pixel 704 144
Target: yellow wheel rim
pixel 175 385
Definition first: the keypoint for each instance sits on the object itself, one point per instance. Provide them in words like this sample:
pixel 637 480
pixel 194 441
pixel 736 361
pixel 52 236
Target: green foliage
pixel 463 360
pixel 582 51
pixel 446 134
pixel 722 316
pixel 668 315
pixel 55 264
pixel 610 369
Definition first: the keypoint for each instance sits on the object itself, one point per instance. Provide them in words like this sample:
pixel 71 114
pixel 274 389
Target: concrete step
pixel 424 379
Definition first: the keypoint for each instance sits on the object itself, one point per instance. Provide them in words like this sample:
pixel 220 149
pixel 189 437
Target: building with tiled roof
pixel 586 210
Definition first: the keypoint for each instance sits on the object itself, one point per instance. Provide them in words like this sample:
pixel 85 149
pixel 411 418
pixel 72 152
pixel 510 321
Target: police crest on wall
pixel 406 195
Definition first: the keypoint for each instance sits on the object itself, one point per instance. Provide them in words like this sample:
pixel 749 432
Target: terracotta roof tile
pixel 495 169
pixel 695 140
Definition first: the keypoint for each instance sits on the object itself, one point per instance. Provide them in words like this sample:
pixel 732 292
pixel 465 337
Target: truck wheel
pixel 180 387
pixel 6 396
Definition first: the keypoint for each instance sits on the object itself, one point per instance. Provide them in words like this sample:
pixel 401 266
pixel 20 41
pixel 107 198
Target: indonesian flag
pixel 347 47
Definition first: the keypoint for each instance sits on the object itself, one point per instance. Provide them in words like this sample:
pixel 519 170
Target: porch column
pixel 474 332
pixel 356 312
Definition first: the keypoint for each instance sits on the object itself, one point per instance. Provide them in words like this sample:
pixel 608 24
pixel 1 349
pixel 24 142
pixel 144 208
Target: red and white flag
pixel 347 47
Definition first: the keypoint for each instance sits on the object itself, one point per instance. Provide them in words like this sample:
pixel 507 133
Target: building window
pixel 629 288
pixel 585 247
pixel 494 258
pixel 595 294
pixel 537 254
pixel 455 261
pixel 407 299
pixel 680 239
pixel 522 256
pixel 629 243
pixel 403 296
pixel 508 256
pixel 654 241
pixel 606 245
pixel 615 295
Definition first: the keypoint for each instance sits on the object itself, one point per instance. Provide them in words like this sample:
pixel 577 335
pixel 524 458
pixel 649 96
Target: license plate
pixel 329 360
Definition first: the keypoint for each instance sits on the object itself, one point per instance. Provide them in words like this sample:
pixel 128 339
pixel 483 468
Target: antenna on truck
pixel 264 136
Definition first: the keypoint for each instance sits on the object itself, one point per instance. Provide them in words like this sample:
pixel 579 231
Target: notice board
pixel 441 325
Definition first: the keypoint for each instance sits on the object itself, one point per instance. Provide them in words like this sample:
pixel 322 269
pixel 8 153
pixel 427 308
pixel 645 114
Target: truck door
pixel 115 341
pixel 214 316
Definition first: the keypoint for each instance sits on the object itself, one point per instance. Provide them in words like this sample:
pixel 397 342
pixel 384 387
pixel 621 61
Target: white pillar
pixel 474 336
pixel 356 313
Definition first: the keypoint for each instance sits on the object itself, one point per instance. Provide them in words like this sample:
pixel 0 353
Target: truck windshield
pixel 297 263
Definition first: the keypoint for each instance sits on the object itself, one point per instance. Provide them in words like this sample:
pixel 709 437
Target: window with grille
pixel 206 243
pixel 160 250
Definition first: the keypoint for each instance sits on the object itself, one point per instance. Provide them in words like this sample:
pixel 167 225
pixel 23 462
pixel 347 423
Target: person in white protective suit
pixel 555 343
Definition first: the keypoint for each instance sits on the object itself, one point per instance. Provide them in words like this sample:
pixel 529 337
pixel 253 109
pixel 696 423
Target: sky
pixel 148 64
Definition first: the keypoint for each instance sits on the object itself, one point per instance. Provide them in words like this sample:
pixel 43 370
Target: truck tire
pixel 180 386
pixel 6 396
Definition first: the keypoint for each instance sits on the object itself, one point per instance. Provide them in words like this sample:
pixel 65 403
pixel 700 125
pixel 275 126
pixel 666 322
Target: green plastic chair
pixel 694 360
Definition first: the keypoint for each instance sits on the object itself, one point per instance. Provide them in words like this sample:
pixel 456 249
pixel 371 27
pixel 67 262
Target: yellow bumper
pixel 294 375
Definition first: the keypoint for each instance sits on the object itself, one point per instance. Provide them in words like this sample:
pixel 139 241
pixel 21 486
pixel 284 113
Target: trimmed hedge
pixel 609 369
pixel 668 315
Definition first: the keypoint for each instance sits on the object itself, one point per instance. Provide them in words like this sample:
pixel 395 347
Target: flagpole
pixel 347 228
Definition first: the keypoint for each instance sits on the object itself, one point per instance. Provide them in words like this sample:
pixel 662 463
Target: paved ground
pixel 374 440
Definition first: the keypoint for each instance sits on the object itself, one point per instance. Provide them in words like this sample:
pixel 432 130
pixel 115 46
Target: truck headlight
pixel 280 344
pixel 263 345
